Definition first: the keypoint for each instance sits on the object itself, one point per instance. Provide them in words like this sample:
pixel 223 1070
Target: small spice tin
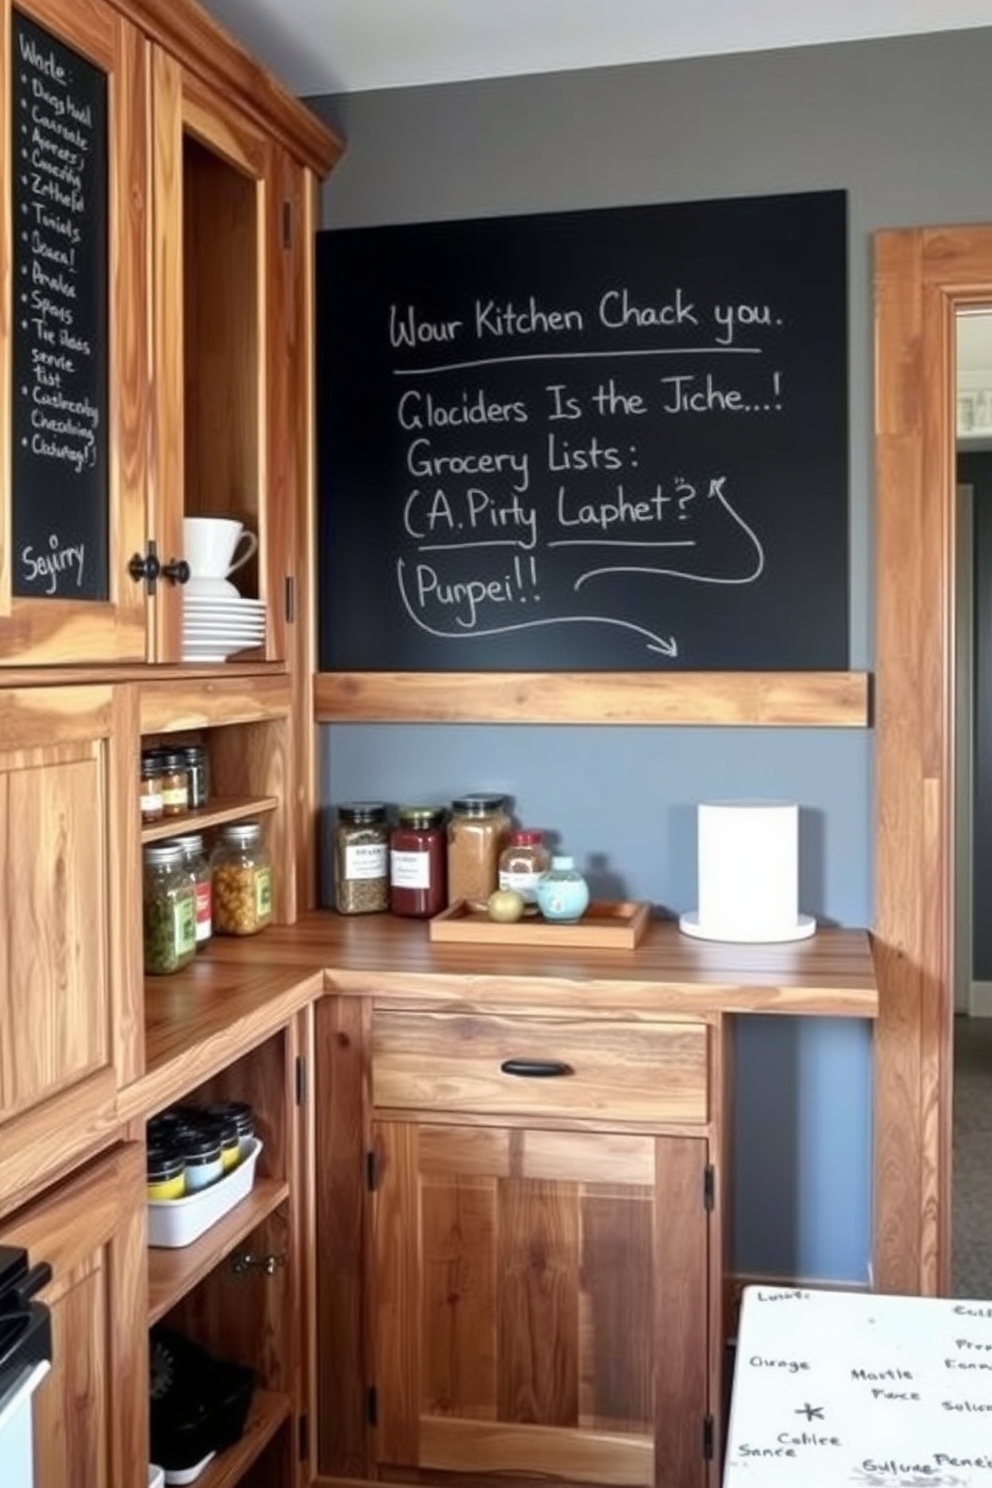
pixel 361 858
pixel 175 782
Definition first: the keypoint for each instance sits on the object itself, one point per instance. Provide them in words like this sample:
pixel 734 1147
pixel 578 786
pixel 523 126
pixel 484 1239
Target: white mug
pixel 210 544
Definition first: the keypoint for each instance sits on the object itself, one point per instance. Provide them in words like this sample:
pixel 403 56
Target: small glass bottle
pixel 477 830
pixel 152 808
pixel 521 864
pixel 175 783
pixel 241 870
pixel 196 859
pixel 197 775
pixel 418 863
pixel 169 910
pixel 361 858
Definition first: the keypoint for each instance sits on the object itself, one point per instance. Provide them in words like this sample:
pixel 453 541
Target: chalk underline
pixel 571 356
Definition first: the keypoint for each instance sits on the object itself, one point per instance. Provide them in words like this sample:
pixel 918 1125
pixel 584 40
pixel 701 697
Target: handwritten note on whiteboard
pixel 609 439
pixel 836 1389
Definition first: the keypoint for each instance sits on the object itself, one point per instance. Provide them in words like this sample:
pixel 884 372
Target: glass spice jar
pixel 361 858
pixel 168 910
pixel 204 1164
pixel 418 863
pixel 175 783
pixel 197 775
pixel 196 859
pixel 241 872
pixel 477 829
pixel 150 793
pixel 521 864
pixel 166 1174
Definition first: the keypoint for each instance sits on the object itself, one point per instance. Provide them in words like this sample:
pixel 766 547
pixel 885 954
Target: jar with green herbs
pixel 241 869
pixel 361 858
pixel 169 910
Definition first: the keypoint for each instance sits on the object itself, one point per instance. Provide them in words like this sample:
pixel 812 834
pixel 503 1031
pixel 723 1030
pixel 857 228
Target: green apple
pixel 505 906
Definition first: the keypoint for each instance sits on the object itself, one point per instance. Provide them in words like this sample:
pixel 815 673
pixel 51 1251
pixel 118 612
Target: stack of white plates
pixel 216 626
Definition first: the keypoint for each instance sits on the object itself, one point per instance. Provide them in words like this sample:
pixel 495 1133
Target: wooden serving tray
pixel 606 923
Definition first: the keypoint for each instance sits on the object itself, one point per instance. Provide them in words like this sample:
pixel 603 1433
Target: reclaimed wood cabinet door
pixel 540 1303
pixel 70 977
pixel 91 1410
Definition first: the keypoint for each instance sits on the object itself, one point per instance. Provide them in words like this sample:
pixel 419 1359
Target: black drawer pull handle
pixel 536 1069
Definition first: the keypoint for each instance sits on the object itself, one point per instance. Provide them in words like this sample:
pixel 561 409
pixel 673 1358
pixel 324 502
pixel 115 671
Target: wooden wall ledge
pixel 798 699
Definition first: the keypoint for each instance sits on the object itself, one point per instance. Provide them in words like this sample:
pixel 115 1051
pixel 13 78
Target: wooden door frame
pixel 922 277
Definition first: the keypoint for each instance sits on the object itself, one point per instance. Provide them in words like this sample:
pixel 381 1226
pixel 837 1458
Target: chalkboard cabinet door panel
pixel 90 1412
pixel 220 338
pixel 540 1299
pixel 73 453
pixel 69 965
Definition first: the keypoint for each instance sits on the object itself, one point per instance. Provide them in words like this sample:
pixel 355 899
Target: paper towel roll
pixel 748 872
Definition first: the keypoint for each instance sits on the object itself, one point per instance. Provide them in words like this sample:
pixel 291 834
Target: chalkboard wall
pixel 611 439
pixel 59 415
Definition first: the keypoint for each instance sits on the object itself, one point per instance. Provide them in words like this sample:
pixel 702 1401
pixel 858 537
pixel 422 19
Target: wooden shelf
pixel 266 1414
pixel 220 809
pixel 800 699
pixel 173 1273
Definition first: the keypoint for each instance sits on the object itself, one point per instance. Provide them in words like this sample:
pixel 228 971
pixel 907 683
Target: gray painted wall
pixel 904 127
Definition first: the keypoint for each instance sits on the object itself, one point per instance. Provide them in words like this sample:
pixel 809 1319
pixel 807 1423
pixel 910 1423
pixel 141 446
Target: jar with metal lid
pixel 196 858
pixel 197 775
pixel 418 874
pixel 521 863
pixel 175 782
pixel 242 1118
pixel 150 792
pixel 361 858
pixel 241 867
pixel 166 1174
pixel 169 910
pixel 477 829
pixel 227 1131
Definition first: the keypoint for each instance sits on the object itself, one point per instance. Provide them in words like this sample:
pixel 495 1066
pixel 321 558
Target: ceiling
pixel 346 46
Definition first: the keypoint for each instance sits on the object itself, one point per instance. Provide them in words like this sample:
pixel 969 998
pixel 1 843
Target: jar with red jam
pixel 418 852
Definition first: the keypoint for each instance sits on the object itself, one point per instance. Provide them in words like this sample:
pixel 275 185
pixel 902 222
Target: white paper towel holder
pixel 804 927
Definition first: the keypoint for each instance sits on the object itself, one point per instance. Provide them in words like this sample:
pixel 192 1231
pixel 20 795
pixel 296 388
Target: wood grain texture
pixel 922 278
pixel 831 699
pixel 91 1230
pixel 344 1281
pixel 617 1071
pixel 682 1302
pixel 171 703
pixel 36 630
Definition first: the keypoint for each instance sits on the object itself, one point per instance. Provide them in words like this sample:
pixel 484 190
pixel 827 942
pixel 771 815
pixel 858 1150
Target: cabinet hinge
pixel 372 1405
pixel 708 1438
pixel 709 1187
pixel 287 224
pixel 301 1080
pixel 370 1170
pixel 303 1439
pixel 289 599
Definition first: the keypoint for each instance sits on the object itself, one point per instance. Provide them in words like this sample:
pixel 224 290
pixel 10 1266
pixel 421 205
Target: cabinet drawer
pixel 608 1071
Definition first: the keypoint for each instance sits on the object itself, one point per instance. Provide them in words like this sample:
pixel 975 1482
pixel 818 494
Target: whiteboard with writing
pixel 606 439
pixel 833 1389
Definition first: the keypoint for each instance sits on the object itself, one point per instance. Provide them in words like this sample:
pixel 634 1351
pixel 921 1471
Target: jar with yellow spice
pixel 241 869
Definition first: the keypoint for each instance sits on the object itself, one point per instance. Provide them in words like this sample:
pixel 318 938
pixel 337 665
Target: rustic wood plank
pixel 396 1364
pixel 830 699
pixel 682 1301
pixel 458 1307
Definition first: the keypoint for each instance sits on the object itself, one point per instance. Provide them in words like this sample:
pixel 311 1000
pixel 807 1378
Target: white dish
pixel 173 1223
pixel 209 588
pixel 227 629
pixel 217 607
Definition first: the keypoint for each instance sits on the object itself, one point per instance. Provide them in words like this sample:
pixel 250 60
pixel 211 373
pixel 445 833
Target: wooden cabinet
pixel 90 1412
pixel 69 979
pixel 33 627
pixel 540 1292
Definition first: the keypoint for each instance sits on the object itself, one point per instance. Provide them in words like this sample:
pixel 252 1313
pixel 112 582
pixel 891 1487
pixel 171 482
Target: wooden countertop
pixel 391 959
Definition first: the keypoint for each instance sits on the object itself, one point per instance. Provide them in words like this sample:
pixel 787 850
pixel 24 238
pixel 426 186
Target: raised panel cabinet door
pixel 90 1411
pixel 75 377
pixel 540 1304
pixel 65 981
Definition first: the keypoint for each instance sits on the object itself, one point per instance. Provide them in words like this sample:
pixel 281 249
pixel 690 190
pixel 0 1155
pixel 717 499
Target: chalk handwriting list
pixel 60 270
pixel 883 1386
pixel 577 457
